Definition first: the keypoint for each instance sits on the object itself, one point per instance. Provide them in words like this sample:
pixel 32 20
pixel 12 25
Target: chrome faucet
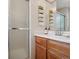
pixel 58 32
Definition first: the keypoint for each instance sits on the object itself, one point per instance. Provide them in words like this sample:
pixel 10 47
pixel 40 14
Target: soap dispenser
pixel 46 30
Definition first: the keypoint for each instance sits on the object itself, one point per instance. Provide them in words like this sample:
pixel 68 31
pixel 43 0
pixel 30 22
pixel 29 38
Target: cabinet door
pixel 59 46
pixel 40 52
pixel 51 55
pixel 41 41
pixel 65 57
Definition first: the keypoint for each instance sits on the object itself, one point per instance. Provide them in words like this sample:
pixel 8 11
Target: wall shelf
pixel 40 15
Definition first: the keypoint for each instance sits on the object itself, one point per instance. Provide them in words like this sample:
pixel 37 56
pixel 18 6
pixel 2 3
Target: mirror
pixel 60 21
pixel 58 13
pixel 63 8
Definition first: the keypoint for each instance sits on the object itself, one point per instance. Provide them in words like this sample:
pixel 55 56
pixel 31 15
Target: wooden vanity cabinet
pixel 40 48
pixel 58 50
pixel 50 49
pixel 40 52
pixel 65 57
pixel 53 55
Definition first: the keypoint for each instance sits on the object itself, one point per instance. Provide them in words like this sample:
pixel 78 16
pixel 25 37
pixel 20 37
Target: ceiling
pixel 62 3
pixel 50 1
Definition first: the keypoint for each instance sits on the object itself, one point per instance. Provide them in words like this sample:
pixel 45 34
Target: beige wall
pixel 35 27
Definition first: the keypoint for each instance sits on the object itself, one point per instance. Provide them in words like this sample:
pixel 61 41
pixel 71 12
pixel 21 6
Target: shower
pixel 18 29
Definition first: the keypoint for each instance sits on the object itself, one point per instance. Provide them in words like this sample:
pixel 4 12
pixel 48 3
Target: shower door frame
pixel 27 30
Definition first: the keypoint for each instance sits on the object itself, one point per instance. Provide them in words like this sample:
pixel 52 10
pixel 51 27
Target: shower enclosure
pixel 18 29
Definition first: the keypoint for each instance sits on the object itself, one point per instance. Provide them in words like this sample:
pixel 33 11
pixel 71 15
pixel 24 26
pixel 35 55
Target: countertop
pixel 52 36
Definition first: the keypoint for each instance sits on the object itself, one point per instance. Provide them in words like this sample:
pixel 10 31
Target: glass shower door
pixel 18 29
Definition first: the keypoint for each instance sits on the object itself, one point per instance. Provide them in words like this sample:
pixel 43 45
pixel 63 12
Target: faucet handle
pixel 49 28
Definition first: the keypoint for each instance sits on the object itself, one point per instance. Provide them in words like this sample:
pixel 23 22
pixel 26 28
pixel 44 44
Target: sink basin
pixel 51 35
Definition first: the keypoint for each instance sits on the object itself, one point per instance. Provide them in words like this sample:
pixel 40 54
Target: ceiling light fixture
pixel 50 1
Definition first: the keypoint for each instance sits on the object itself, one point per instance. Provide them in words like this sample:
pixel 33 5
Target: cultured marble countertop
pixel 52 36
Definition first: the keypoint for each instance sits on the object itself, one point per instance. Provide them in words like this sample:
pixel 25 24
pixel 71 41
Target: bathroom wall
pixel 35 27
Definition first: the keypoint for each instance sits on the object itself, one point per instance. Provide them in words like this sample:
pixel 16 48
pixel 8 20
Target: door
pixel 40 52
pixel 53 55
pixel 18 29
pixel 65 57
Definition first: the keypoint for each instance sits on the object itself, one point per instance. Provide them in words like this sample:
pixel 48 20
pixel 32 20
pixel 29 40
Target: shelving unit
pixel 50 16
pixel 40 15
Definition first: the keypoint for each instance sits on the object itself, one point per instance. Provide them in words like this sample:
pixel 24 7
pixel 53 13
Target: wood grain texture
pixel 50 49
pixel 41 41
pixel 40 52
pixel 60 47
pixel 53 55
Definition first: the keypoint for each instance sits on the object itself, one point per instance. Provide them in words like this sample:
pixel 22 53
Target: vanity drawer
pixel 41 41
pixel 59 46
pixel 52 54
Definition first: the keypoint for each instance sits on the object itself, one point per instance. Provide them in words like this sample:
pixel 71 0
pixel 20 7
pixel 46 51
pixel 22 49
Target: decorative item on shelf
pixel 41 15
pixel 46 30
pixel 50 16
pixel 40 7
pixel 51 22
